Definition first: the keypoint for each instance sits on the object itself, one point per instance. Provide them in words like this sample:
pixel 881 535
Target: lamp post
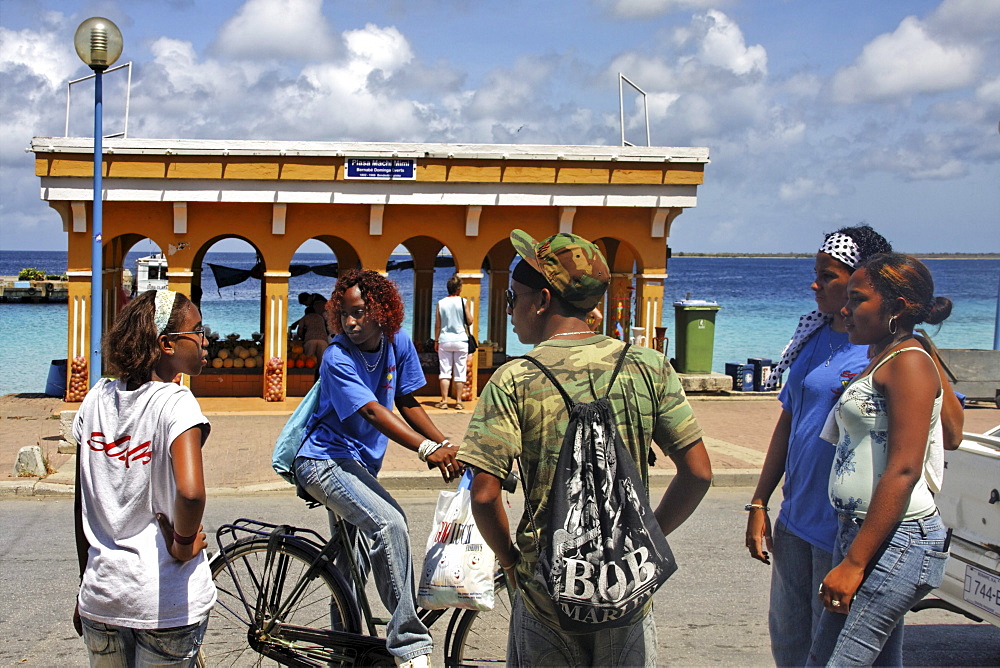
pixel 98 42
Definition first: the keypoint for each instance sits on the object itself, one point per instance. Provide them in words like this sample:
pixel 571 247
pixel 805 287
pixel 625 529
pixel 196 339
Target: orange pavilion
pixel 363 200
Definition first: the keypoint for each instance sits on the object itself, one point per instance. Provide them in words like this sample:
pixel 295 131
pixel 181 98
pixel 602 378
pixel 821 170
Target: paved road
pixel 712 612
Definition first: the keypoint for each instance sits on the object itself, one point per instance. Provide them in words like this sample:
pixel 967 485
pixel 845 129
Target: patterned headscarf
pixel 840 247
pixel 164 307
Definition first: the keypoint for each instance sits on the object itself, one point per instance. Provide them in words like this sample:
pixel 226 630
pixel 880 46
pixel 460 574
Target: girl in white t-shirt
pixel 146 589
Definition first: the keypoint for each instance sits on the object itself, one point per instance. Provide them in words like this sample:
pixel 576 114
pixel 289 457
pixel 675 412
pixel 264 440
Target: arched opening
pixel 226 286
pixel 312 272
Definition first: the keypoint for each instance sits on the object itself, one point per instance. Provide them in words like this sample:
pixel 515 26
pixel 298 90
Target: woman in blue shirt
pixel 371 366
pixel 820 362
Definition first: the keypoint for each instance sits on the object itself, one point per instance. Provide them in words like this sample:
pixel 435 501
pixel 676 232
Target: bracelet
pixel 184 540
pixel 427 447
pixel 756 506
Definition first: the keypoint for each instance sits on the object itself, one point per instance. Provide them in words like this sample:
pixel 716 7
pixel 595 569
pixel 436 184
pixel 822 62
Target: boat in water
pixel 151 273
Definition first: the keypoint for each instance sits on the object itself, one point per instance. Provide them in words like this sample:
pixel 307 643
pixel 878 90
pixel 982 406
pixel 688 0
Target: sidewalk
pixel 238 452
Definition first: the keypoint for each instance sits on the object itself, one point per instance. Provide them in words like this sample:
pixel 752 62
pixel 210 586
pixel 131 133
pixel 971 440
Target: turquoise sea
pixel 760 299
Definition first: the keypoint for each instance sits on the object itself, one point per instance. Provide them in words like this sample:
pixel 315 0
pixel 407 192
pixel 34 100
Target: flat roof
pixel 212 147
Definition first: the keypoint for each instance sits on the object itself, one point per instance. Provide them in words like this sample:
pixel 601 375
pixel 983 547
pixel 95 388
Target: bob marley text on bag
pixel 603 554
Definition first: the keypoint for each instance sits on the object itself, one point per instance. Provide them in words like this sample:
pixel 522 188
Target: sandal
pixel 441 404
pixel 459 406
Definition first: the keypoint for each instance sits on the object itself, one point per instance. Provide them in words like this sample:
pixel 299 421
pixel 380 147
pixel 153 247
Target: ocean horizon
pixel 760 300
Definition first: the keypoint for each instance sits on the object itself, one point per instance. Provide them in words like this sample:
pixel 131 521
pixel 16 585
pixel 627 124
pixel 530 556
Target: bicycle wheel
pixel 480 638
pixel 232 638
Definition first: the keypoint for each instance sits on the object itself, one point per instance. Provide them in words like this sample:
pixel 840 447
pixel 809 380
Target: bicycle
pixel 282 598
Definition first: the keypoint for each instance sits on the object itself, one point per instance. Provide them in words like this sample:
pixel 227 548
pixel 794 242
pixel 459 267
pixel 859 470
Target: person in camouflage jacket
pixel 522 414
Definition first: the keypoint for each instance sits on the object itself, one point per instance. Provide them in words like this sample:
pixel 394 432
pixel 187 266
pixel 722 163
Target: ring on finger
pixel 835 603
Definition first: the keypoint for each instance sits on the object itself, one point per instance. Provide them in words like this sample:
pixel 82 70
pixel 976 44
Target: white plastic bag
pixel 458 568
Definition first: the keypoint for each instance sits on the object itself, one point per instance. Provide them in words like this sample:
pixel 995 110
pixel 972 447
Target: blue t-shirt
pixel 811 389
pixel 347 385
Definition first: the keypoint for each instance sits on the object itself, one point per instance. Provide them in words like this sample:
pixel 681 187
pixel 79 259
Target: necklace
pixel 834 351
pixel 371 367
pixel 571 333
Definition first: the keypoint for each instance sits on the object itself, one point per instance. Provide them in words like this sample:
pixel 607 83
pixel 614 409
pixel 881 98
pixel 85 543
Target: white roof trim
pixel 244 148
pixel 373 192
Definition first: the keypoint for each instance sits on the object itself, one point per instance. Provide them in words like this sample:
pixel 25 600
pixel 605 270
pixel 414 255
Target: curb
pixel 61 484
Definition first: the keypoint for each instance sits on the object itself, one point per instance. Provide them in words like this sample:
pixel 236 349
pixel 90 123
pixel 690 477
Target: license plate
pixel 982 589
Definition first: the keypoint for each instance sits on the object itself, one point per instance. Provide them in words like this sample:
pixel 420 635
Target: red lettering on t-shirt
pixel 119 449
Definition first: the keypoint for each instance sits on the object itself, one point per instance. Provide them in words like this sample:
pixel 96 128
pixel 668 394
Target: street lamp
pixel 98 42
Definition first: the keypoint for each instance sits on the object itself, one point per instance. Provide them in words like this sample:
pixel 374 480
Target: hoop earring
pixel 893 326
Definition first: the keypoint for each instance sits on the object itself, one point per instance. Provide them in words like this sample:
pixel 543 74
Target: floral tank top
pixel 862 449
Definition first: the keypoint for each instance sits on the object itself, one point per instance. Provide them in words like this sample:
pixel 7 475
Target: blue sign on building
pixel 385 169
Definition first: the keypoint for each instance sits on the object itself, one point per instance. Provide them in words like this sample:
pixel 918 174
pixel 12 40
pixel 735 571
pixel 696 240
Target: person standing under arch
pixel 451 341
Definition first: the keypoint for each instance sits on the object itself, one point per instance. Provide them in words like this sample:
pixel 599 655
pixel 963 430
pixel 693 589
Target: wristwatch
pixel 756 506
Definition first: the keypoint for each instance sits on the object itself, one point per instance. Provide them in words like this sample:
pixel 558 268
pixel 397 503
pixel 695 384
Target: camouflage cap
pixel 574 267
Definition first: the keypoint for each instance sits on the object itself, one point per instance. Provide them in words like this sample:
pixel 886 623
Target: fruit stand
pixel 235 368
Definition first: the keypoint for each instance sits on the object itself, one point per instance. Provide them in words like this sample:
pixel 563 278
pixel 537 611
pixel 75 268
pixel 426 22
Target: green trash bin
pixel 694 325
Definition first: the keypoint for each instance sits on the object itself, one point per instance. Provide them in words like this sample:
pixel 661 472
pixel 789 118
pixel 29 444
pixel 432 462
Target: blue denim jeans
pixel 349 490
pixel 908 566
pixel 798 567
pixel 532 642
pixel 113 646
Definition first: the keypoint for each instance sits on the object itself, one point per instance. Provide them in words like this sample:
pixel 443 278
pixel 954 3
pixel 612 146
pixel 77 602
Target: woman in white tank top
pixel 451 342
pixel 890 549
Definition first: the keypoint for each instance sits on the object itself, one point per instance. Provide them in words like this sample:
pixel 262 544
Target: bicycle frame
pixel 268 635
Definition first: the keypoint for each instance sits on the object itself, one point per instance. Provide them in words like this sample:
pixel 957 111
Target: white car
pixel 970 507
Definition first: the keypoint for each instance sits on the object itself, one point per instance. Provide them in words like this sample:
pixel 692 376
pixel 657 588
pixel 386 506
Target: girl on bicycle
pixel 890 549
pixel 146 589
pixel 372 365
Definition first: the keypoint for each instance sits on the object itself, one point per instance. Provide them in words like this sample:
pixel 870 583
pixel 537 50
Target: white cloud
pixel 906 62
pixel 509 92
pixel 42 53
pixel 639 9
pixel 989 92
pixel 722 45
pixel 263 29
pixel 918 159
pixel 803 188
pixel 378 48
pixel 965 19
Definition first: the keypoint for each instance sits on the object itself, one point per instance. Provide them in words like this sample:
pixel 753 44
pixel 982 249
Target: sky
pixel 817 113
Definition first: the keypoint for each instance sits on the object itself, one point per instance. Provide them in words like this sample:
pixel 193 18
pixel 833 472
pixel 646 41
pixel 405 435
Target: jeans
pixel 532 642
pixel 349 490
pixel 797 570
pixel 909 565
pixel 113 646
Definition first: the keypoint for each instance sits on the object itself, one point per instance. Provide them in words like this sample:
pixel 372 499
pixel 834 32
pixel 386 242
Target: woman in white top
pixel 890 549
pixel 146 589
pixel 451 341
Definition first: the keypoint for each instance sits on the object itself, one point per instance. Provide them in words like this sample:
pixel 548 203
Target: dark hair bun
pixel 940 310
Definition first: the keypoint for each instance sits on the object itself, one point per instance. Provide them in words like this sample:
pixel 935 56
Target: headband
pixel 842 247
pixel 164 307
